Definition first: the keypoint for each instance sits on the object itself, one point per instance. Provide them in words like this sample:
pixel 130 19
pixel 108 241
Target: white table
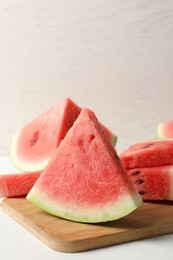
pixel 17 243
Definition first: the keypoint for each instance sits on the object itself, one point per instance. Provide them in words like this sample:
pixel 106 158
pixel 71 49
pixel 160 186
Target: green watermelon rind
pixel 21 164
pixel 108 212
pixel 113 139
pixel 162 131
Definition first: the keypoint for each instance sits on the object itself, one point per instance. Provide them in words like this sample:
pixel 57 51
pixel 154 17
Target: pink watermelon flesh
pixel 153 183
pixel 148 154
pixel 34 144
pixel 19 184
pixel 165 130
pixel 84 180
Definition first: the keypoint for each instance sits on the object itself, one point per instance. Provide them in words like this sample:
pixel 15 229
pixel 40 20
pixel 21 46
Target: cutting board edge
pixel 25 222
pixel 65 246
pixel 73 246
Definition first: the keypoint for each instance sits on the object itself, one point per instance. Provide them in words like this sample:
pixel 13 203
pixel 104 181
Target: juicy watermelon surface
pixel 148 154
pixel 18 184
pixel 84 180
pixel 34 144
pixel 153 183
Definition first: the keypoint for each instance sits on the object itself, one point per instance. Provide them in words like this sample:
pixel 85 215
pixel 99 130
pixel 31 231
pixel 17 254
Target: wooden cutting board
pixel 151 219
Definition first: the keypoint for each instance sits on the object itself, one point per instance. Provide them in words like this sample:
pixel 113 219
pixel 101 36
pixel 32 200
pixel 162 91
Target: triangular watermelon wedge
pixel 85 180
pixel 33 145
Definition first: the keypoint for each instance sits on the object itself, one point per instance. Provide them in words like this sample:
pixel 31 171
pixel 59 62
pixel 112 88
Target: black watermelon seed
pixel 116 157
pixel 135 172
pixel 146 146
pixel 139 181
pixel 142 192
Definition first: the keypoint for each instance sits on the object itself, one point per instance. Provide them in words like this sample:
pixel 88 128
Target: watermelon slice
pixel 85 180
pixel 153 183
pixel 18 184
pixel 148 154
pixel 33 145
pixel 165 130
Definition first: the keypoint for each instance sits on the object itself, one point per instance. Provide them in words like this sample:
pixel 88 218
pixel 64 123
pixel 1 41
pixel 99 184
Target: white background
pixel 113 56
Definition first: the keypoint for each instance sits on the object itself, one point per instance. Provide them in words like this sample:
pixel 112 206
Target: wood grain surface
pixel 150 220
pixel 114 56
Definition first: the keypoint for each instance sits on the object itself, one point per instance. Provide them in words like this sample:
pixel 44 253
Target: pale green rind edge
pixel 114 139
pixel 23 165
pixel 110 212
pixel 160 133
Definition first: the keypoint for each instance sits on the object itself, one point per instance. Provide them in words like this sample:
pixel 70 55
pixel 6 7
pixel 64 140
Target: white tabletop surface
pixel 17 243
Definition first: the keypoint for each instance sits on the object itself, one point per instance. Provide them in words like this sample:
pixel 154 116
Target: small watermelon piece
pixel 165 130
pixel 18 184
pixel 85 180
pixel 148 154
pixel 33 145
pixel 153 183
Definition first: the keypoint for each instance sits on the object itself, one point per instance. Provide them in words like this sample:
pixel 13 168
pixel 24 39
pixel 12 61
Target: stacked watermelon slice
pixel 17 184
pixel 150 166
